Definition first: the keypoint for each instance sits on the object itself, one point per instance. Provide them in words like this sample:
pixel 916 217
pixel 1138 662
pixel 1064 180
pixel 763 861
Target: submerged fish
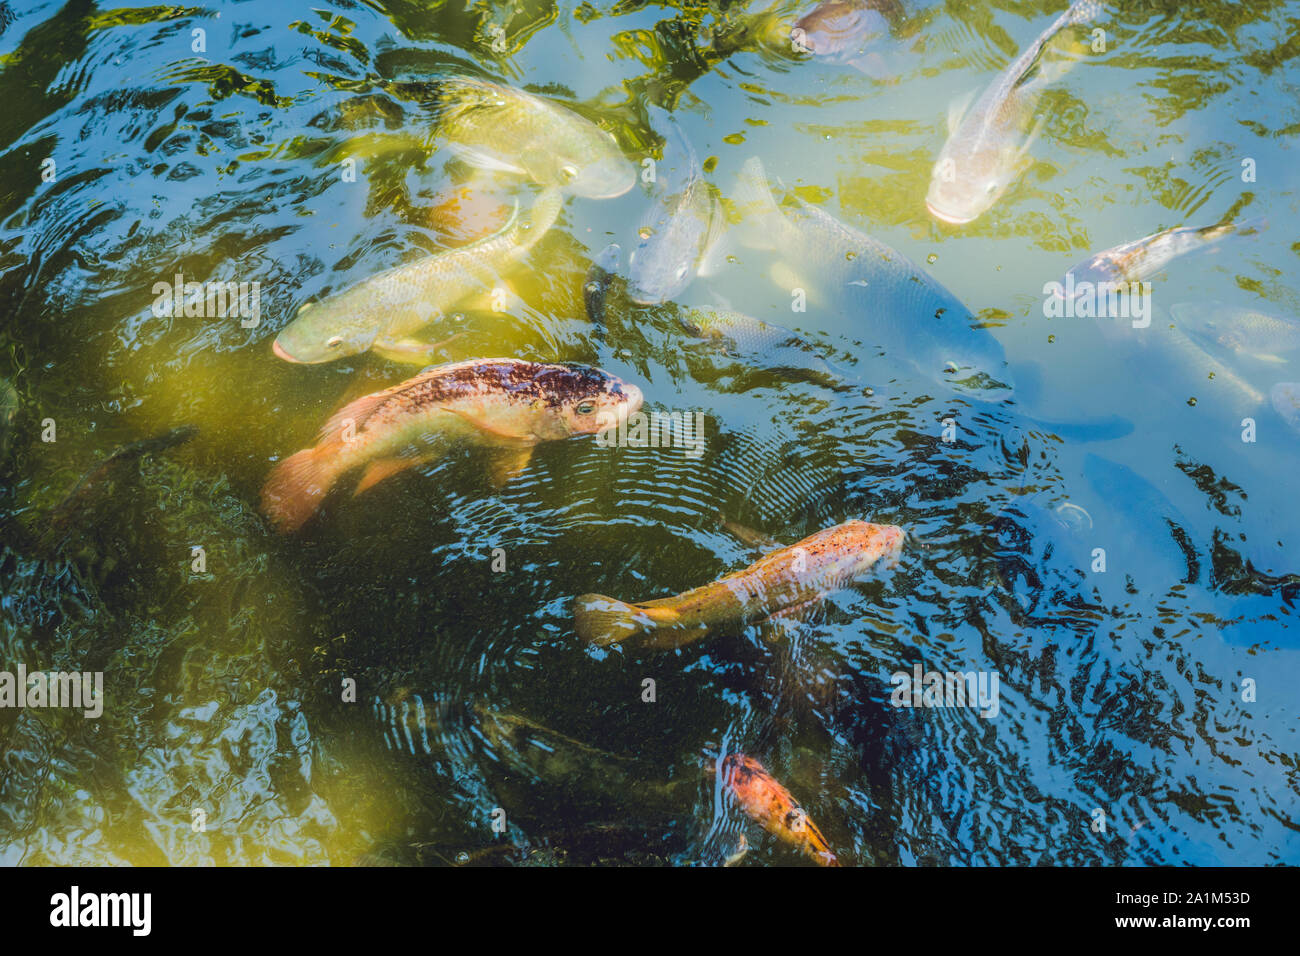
pixel 781 582
pixel 507 404
pixel 497 127
pixel 843 31
pixel 1246 332
pixel 736 332
pixel 1142 258
pixel 773 807
pixel 1285 398
pixel 986 146
pixel 381 313
pixel 677 231
pixel 912 316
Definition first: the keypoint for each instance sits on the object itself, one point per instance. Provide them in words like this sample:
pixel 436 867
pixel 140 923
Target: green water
pixel 225 687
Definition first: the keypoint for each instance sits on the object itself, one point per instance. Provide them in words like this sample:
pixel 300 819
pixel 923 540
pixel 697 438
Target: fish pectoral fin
pixel 957 109
pixel 410 351
pixel 1022 154
pixel 483 160
pixel 782 624
pixel 507 463
pixel 381 468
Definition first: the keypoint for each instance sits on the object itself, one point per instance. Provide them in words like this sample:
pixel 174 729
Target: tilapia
pixel 773 807
pixel 382 312
pixel 904 309
pixel 986 146
pixel 679 229
pixel 791 577
pixel 1285 398
pixel 496 127
pixel 845 31
pixel 743 336
pixel 1244 332
pixel 1140 259
pixel 506 404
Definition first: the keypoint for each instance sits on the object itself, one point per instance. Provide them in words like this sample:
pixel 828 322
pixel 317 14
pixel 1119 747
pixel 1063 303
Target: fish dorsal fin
pixel 957 109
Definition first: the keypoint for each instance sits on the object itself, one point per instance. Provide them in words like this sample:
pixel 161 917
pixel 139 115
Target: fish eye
pixel 586 408
pixel 990 189
pixel 334 342
pixel 681 271
pixel 569 172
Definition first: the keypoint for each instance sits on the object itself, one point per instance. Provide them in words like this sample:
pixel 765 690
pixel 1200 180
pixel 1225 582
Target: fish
pixel 1244 332
pixel 595 288
pixel 912 316
pixel 1142 258
pixel 677 231
pixel 843 31
pixel 507 404
pixel 784 580
pixel 1285 399
pixel 1227 384
pixel 769 804
pixel 986 147
pixel 496 127
pixel 737 334
pixel 380 313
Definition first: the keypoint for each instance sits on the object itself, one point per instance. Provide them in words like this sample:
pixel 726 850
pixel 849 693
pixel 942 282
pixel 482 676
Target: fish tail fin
pixel 756 205
pixel 603 621
pixel 296 487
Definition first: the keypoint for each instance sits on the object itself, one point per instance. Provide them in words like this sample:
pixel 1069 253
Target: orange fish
pixel 771 805
pixel 784 582
pixel 507 404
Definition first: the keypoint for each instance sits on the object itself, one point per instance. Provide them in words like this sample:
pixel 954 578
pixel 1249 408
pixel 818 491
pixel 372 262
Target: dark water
pixel 224 687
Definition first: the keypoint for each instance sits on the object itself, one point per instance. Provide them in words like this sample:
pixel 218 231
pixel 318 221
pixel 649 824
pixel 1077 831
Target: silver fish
pixel 1245 332
pixel 1285 398
pixel 1142 258
pixel 678 230
pixel 986 146
pixel 907 310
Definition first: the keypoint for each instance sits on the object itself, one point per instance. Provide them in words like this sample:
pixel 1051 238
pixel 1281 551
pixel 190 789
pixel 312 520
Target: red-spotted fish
pixel 782 581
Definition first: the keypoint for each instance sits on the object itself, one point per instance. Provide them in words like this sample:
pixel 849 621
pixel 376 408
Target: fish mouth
pixel 950 218
pixel 278 349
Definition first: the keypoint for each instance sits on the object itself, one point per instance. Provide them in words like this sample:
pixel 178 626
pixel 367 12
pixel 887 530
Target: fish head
pixel 1285 398
pixel 837 29
pixel 581 400
pixel 1084 278
pixel 323 332
pixel 962 188
pixel 661 265
pixel 972 362
pixel 591 166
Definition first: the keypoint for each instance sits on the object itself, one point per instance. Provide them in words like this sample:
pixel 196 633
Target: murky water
pixel 1158 695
